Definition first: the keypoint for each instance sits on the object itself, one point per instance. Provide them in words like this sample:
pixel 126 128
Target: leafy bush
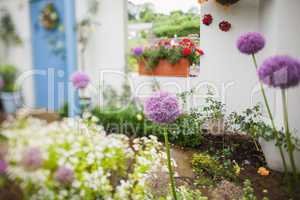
pixel 178 24
pixel 99 166
pixel 185 193
pixel 186 131
pixel 248 191
pixel 9 75
pixel 205 165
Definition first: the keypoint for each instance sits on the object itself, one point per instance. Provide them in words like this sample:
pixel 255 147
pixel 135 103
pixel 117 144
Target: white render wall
pixel 20 56
pixel 105 57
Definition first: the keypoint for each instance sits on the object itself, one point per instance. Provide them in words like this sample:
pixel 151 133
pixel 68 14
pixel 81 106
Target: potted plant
pixel 10 94
pixel 168 58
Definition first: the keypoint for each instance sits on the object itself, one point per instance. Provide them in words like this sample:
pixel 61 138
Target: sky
pixel 166 6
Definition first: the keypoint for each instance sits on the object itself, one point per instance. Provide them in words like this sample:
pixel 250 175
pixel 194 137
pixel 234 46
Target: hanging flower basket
pixel 49 17
pixel 227 2
pixel 168 58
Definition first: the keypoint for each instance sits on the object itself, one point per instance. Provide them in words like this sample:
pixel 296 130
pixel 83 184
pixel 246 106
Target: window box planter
pixel 168 57
pixel 165 68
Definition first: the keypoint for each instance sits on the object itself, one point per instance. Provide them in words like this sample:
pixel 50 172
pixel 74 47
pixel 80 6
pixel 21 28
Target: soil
pixel 11 191
pixel 246 155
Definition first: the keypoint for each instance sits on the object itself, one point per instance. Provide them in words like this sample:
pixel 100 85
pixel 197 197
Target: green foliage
pixel 8 33
pixel 205 165
pixel 185 193
pixel 251 122
pixel 213 109
pixel 248 192
pixel 186 131
pixel 9 75
pixel 64 111
pixel 177 23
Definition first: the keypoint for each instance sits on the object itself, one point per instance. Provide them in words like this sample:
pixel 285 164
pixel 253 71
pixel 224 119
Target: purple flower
pixel 251 43
pixel 3 166
pixel 80 80
pixel 280 71
pixel 162 107
pixel 64 175
pixel 138 51
pixel 32 159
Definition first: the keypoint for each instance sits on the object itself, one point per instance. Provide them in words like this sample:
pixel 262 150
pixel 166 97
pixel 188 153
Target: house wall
pixel 20 56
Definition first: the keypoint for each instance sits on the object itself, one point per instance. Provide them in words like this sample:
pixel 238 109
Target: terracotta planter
pixel 165 68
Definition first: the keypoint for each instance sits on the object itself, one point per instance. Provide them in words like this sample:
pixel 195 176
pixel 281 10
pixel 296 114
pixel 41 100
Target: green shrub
pixel 248 192
pixel 185 193
pixel 178 24
pixel 205 165
pixel 186 131
pixel 9 75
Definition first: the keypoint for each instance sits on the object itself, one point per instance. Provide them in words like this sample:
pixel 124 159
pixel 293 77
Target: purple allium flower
pixel 162 107
pixel 280 71
pixel 32 159
pixel 251 43
pixel 3 166
pixel 80 80
pixel 138 51
pixel 64 175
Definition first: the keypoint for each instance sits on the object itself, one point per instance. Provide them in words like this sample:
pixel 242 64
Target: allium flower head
pixel 80 80
pixel 162 107
pixel 138 51
pixel 32 159
pixel 251 43
pixel 280 71
pixel 64 175
pixel 3 166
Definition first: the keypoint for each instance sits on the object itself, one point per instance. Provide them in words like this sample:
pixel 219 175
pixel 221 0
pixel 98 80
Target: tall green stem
pixel 290 146
pixel 275 132
pixel 171 173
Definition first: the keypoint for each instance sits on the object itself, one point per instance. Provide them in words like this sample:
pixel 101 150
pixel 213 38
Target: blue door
pixel 54 51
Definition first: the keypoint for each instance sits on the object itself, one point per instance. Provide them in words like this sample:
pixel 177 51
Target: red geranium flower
pixel 225 26
pixel 186 51
pixel 207 19
pixel 186 40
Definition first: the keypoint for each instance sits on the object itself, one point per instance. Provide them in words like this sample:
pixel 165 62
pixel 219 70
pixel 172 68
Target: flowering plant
pixel 75 159
pixel 170 50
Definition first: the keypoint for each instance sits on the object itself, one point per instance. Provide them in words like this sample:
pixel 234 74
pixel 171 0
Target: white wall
pixel 280 24
pixel 106 50
pixel 20 56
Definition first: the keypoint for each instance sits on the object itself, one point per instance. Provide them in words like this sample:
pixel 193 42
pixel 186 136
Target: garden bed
pixel 247 157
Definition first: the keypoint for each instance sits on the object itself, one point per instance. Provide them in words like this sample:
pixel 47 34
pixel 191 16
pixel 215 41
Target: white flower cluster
pixel 109 167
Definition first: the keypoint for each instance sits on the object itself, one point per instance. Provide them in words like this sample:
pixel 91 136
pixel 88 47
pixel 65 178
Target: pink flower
pixel 162 107
pixel 80 80
pixel 3 166
pixel 64 175
pixel 32 159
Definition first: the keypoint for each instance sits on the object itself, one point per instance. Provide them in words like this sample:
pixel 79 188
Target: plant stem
pixel 171 173
pixel 275 132
pixel 290 146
